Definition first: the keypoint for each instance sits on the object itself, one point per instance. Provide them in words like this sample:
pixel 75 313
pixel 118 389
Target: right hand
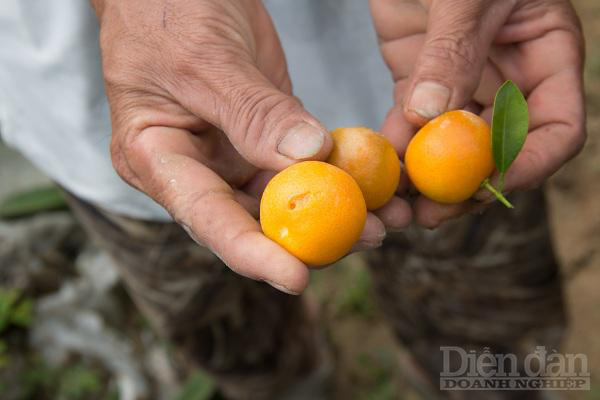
pixel 201 108
pixel 452 54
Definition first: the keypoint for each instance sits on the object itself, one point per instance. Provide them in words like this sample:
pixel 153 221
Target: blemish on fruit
pixel 299 200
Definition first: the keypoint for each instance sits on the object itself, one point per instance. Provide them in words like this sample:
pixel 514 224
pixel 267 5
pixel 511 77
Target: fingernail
pixel 429 99
pixel 302 141
pixel 366 245
pixel 282 288
pixel 362 246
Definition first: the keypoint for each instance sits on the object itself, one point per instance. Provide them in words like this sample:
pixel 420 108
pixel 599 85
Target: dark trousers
pixel 488 280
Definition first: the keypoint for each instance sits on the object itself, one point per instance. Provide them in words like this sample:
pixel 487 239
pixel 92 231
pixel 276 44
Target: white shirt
pixel 53 108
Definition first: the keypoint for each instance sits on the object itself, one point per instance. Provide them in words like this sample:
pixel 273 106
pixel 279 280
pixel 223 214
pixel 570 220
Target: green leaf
pixel 510 124
pixel 31 202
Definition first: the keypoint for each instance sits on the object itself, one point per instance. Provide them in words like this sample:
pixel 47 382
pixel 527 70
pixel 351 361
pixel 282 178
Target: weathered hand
pixel 201 109
pixel 451 54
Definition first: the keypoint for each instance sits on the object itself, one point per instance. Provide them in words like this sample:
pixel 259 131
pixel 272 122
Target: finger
pixel 403 183
pixel 250 203
pixel 556 108
pixel 168 170
pixel 430 214
pixel 256 186
pixel 401 54
pixel 398 52
pixel 557 135
pixel 491 80
pixel 372 235
pixel 269 128
pixel 534 61
pixel 450 64
pixel 395 126
pixel 557 115
pixel 395 19
pixel 560 16
pixel 235 77
pixel 395 215
pixel 400 131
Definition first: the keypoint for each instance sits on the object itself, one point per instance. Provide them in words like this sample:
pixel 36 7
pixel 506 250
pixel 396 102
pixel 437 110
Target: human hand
pixel 201 108
pixel 452 54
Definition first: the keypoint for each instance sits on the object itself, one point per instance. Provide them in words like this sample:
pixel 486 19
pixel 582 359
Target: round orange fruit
pixel 314 210
pixel 370 159
pixel 449 157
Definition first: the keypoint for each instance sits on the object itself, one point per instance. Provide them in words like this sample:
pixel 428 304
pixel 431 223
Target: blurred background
pixel 69 331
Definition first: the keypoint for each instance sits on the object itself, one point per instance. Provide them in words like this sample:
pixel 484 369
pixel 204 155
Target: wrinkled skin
pixel 202 106
pixel 467 49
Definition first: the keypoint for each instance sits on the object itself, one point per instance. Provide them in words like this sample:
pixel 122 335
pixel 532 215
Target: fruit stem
pixel 486 184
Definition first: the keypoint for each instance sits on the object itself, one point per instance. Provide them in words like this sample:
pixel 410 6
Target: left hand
pixel 453 54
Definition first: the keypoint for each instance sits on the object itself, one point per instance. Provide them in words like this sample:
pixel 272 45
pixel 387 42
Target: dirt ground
pixel 369 361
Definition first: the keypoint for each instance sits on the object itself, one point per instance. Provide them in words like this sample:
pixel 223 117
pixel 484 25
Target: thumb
pixel 449 66
pixel 267 126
